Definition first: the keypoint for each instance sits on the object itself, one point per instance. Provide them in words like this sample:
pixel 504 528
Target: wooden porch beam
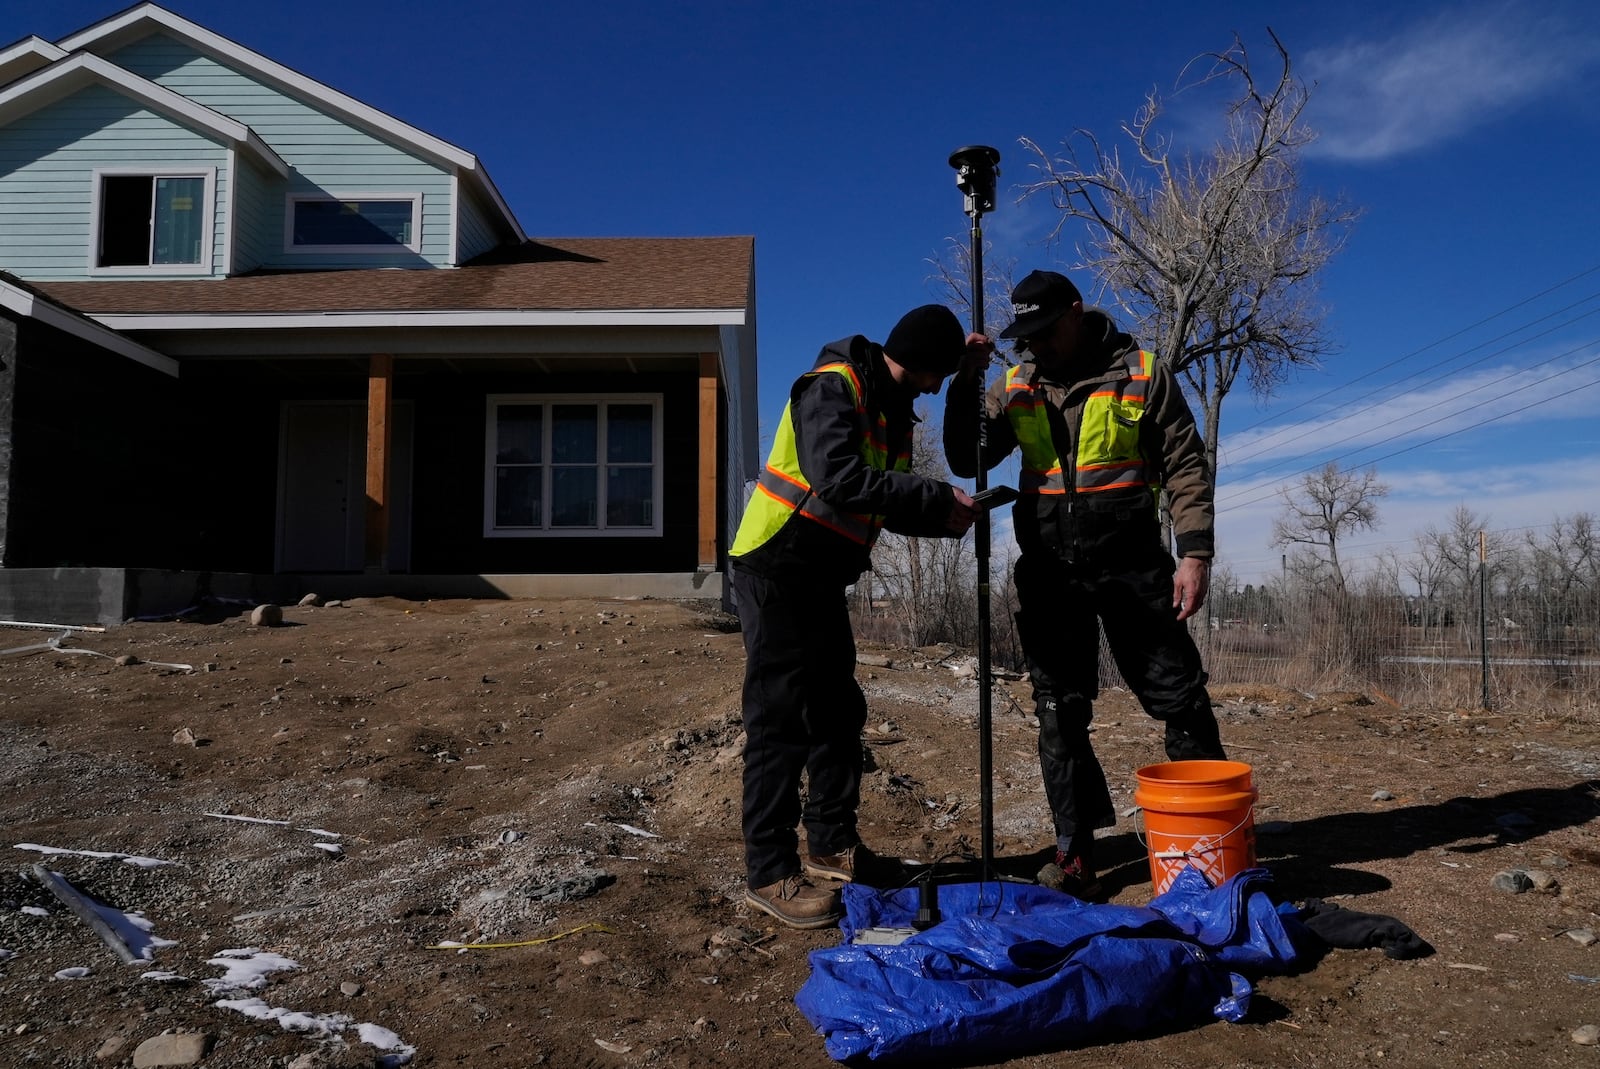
pixel 380 412
pixel 706 541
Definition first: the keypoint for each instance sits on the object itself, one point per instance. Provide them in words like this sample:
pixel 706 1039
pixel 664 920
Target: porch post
pixel 706 540
pixel 380 408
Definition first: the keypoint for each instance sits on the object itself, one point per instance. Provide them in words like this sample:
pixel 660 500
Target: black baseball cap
pixel 1038 301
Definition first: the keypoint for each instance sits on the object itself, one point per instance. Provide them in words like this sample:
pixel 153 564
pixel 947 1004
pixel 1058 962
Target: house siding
pixel 477 232
pixel 47 164
pixel 447 509
pixel 236 532
pixel 74 470
pixel 253 236
pixel 325 154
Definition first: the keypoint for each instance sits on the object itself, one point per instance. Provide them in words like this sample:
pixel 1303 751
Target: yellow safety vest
pixel 782 490
pixel 1108 457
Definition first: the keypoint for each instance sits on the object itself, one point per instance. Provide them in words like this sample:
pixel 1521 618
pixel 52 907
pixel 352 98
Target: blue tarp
pixel 1016 968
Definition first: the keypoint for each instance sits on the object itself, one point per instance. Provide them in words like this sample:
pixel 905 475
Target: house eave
pixel 68 75
pixel 26 56
pixel 674 317
pixel 31 306
pixel 137 21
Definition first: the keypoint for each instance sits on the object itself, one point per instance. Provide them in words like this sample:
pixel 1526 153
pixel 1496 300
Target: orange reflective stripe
pixel 848 372
pixel 859 534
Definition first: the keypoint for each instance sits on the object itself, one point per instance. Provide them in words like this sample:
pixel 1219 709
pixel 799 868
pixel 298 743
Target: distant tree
pixel 1564 573
pixel 926 585
pixel 1456 549
pixel 1329 504
pixel 1213 258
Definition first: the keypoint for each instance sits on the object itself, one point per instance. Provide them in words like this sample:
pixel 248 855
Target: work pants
pixel 1062 608
pixel 803 711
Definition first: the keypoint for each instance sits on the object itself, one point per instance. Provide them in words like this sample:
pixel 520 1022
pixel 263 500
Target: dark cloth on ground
pixel 1349 929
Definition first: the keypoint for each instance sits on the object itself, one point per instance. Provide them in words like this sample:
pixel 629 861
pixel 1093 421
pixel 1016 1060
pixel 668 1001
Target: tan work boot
pixel 797 902
pixel 857 864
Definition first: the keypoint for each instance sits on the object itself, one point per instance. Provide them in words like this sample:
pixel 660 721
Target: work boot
pixel 797 902
pixel 857 864
pixel 1073 875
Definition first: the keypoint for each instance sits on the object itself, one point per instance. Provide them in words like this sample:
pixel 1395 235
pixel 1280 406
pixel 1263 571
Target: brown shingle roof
pixel 554 274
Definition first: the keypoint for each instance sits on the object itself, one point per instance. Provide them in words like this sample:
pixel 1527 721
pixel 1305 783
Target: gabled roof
pixel 67 76
pixel 25 57
pixel 26 300
pixel 555 281
pixel 146 19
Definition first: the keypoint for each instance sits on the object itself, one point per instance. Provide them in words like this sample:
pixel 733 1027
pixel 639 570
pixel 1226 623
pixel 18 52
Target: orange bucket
pixel 1198 813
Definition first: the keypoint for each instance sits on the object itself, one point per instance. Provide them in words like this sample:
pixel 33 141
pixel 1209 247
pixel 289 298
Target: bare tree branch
pixel 1212 258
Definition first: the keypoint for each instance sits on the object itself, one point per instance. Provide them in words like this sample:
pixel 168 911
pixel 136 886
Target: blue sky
pixel 1467 328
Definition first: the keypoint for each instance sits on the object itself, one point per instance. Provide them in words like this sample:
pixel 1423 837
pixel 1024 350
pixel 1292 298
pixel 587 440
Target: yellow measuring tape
pixel 591 927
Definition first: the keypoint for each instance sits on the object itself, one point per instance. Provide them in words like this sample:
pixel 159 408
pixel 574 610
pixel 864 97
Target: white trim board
pixel 67 76
pixel 301 320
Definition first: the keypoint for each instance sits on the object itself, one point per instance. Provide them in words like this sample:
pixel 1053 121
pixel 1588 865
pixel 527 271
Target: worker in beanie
pixel 839 472
pixel 1105 435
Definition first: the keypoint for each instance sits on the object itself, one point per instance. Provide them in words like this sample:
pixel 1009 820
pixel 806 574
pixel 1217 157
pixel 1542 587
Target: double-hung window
pixel 573 465
pixel 153 220
pixel 353 222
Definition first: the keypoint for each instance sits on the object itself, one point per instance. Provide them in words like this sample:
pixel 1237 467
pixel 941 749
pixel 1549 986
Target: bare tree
pixel 951 281
pixel 926 585
pixel 1330 503
pixel 1456 548
pixel 1564 577
pixel 1214 259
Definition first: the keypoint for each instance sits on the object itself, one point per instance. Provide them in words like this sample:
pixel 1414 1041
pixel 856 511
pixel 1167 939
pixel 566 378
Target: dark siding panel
pixel 113 464
pixel 101 471
pixel 8 387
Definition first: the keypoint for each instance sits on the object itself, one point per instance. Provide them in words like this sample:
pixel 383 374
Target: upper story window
pixel 355 222
pixel 574 465
pixel 149 220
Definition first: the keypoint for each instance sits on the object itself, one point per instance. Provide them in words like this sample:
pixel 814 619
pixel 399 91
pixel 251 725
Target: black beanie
pixel 929 338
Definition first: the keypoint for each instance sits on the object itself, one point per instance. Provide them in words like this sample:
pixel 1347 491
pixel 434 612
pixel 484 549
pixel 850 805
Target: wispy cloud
pixel 1369 427
pixel 1436 79
pixel 1507 498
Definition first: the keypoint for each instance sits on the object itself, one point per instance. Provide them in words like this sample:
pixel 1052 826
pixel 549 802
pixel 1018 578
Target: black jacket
pixel 1112 528
pixel 828 443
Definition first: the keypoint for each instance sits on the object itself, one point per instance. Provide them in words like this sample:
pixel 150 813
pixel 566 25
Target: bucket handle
pixel 1202 844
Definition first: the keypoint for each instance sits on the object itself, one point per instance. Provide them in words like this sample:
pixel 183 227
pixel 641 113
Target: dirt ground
pixel 565 775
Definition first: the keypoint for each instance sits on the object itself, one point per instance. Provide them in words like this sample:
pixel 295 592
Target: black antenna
pixel 977 167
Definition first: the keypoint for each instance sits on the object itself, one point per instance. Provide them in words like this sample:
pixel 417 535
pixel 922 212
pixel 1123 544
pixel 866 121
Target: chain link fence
pixel 1516 648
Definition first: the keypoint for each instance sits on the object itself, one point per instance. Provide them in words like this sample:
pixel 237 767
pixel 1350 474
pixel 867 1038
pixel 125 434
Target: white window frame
pixel 658 465
pixel 208 248
pixel 414 197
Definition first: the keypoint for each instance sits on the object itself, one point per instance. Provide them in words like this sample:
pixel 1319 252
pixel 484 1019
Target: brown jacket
pixel 1101 527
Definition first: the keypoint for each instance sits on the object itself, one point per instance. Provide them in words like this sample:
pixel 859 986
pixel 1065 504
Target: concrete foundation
pixel 109 596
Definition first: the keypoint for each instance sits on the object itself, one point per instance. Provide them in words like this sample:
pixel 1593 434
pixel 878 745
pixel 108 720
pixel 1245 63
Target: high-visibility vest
pixel 782 490
pixel 1108 455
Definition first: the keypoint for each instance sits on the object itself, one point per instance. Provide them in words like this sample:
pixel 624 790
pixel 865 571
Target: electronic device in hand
pixel 994 497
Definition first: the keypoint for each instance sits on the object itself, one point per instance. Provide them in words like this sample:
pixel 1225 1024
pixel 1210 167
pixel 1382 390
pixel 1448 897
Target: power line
pixel 1436 404
pixel 1418 352
pixel 1270 443
pixel 1441 437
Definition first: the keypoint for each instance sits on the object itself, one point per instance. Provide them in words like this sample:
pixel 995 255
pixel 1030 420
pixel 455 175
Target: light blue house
pixel 201 319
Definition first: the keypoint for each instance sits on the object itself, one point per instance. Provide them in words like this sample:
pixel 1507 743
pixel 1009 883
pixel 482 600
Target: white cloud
pixel 1505 496
pixel 1382 98
pixel 1386 419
